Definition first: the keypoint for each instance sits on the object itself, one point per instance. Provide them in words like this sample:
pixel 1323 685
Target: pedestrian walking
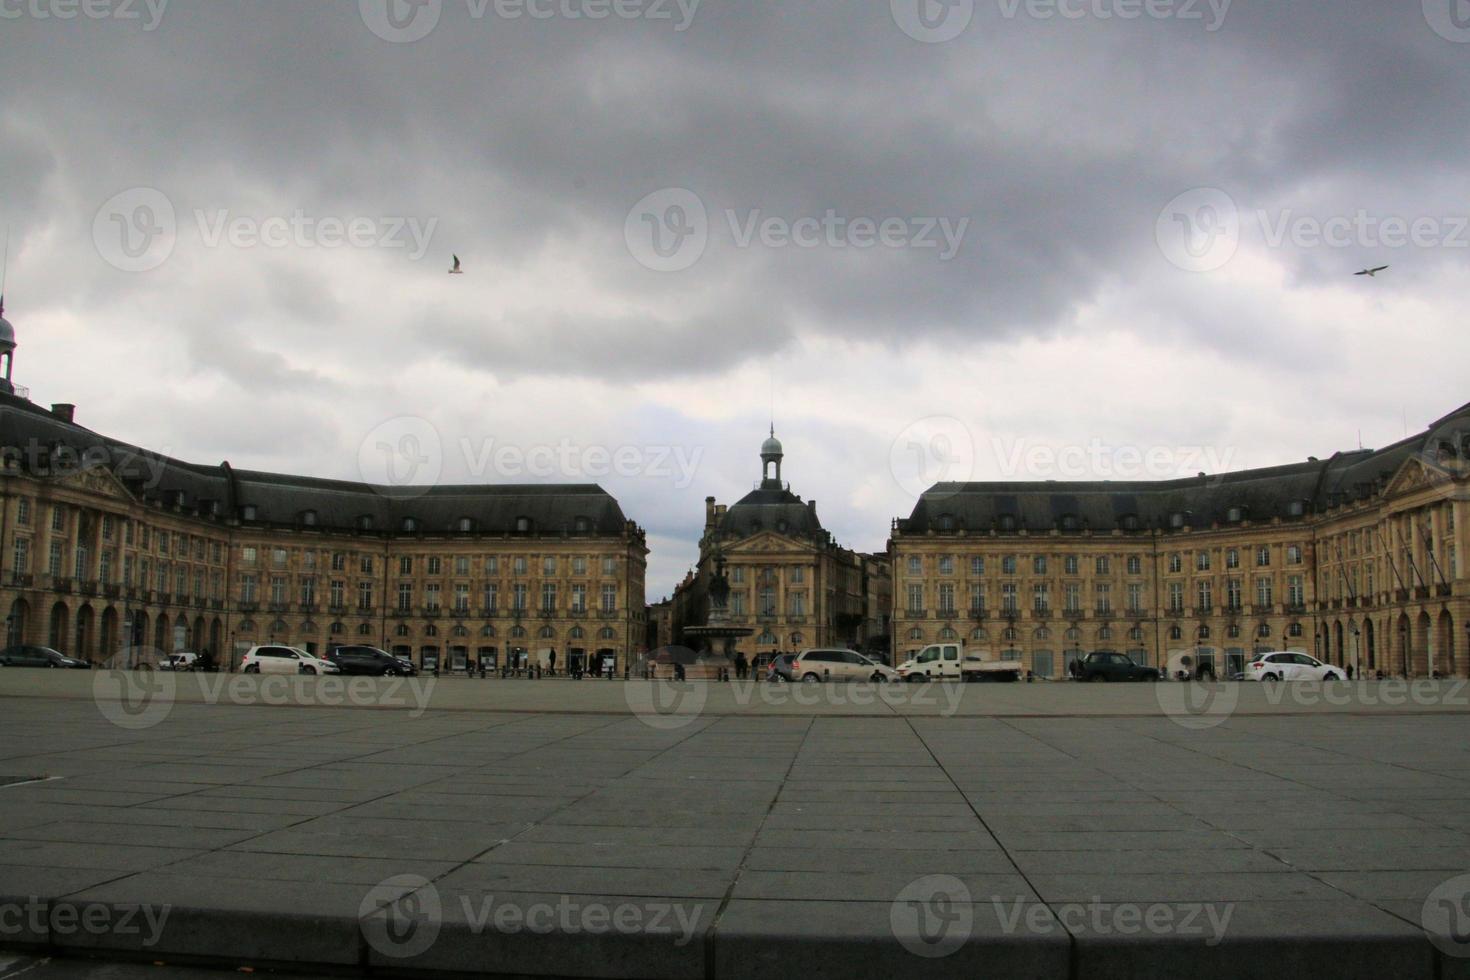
pixel 551 663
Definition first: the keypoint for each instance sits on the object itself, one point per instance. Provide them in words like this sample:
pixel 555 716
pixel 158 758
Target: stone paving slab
pixel 832 841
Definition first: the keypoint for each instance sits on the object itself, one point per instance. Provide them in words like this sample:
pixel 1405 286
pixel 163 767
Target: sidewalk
pixel 738 844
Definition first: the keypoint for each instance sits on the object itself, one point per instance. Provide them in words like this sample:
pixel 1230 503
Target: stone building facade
pixel 1356 559
pixel 108 546
pixel 789 580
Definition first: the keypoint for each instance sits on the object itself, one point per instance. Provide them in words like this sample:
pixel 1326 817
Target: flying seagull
pixel 456 270
pixel 1371 272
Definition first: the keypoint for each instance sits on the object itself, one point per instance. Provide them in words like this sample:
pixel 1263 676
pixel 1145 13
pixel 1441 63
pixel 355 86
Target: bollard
pixel 826 674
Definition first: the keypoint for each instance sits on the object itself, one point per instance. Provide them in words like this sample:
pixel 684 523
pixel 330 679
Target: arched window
pixel 916 634
pixel 1042 633
pixel 576 633
pixel 338 629
pixel 979 635
pixel 247 626
pixel 607 633
pixel 1105 633
pixel 431 630
pixel 1232 631
pixel 366 629
pixel 1073 635
pixel 459 630
pixel 401 630
pixel 797 639
pixel 1295 629
pixel 766 639
pixel 1010 635
pixel 1136 633
pixel 1175 632
pixel 1204 632
pixel 948 634
pixel 547 633
pixel 488 631
pixel 517 632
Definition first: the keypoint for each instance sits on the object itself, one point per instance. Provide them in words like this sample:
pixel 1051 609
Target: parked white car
pixel 1290 667
pixel 277 659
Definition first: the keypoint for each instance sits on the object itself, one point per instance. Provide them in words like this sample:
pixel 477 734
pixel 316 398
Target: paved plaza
pixel 611 829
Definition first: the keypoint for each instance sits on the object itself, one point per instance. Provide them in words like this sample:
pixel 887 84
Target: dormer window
pixel 1008 522
pixel 465 525
pixel 1296 508
pixel 946 522
pixel 1130 522
pixel 523 525
pixel 247 512
pixel 1176 519
pixel 582 525
pixel 1069 522
pixel 308 518
pixel 365 522
pixel 1234 515
pixel 410 525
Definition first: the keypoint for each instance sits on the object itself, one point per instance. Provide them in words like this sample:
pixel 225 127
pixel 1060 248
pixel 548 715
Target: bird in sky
pixel 1370 273
pixel 455 270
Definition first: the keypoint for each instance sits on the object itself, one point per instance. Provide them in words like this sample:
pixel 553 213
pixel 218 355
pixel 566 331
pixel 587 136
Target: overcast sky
pixel 989 239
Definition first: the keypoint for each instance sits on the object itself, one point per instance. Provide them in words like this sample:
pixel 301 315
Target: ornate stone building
pixel 105 542
pixel 789 580
pixel 1355 559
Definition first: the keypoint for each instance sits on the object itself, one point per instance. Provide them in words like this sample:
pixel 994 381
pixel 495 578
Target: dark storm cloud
pixel 1057 140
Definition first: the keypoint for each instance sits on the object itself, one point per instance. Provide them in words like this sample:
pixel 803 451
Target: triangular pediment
pixel 1417 473
pixel 96 480
pixel 766 541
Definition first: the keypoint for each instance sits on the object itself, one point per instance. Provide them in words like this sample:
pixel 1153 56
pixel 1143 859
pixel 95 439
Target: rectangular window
pixel 23 511
pixel 1008 565
pixel 365 565
pixel 1176 597
pixel 946 564
pixel 278 557
pixel 308 590
pixel 798 575
pixel 1203 595
pixel 1232 558
pixel 492 598
pixel 609 565
pixel 1008 597
pixel 518 597
pixel 462 564
pixel 768 601
pixel 946 597
pixel 1135 597
pixel 405 565
pixel 579 565
pixel 22 557
pixel 1135 565
pixel 432 596
pixel 977 566
pixel 737 575
pixel 579 598
pixel 796 603
pixel 915 565
pixel 1038 565
pixel 278 588
pixel 1069 565
pixel 1040 598
pixel 58 518
pixel 1104 597
pixel 609 598
pixel 247 555
pixel 436 565
pixel 218 553
pixel 1176 563
pixel 1232 594
pixel 1263 591
pixel 339 562
pixel 916 600
pixel 365 594
pixel 1202 561
pixel 108 524
pixel 1072 597
pixel 405 597
pixel 337 593
pixel 977 597
pixel 518 567
pixel 1104 565
pixel 737 602
pixel 181 580
pixel 1295 594
pixel 83 565
pixel 247 588
pixel 1263 556
pixel 548 566
pixel 1294 552
pixel 462 597
pixel 492 564
pixel 548 597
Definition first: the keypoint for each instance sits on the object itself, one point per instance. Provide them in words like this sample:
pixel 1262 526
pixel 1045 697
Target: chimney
pixel 709 512
pixel 63 411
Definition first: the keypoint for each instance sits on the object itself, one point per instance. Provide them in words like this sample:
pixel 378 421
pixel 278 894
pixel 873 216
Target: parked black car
pixel 1104 665
pixel 370 660
pixel 25 655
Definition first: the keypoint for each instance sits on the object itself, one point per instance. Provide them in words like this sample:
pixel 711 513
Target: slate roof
pixel 32 434
pixel 771 509
pixel 1292 492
